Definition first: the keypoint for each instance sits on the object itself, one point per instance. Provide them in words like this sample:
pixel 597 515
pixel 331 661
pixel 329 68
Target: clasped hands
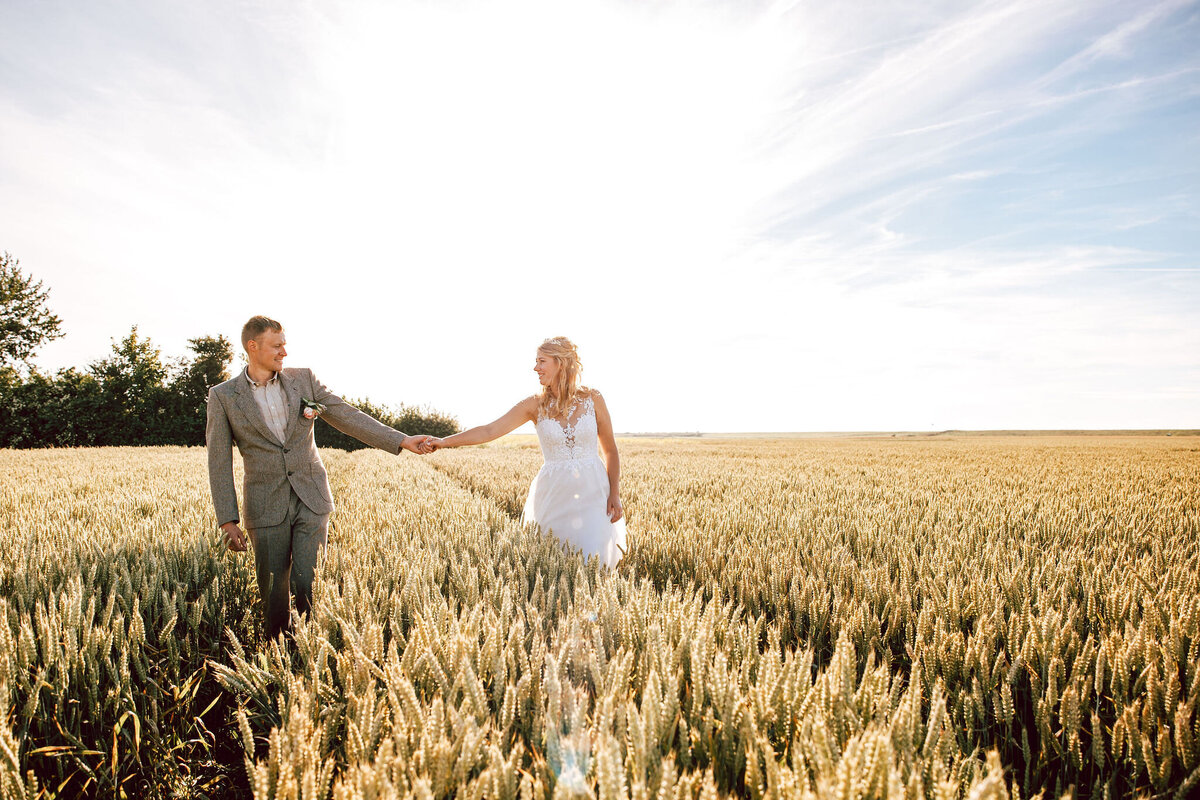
pixel 432 444
pixel 423 444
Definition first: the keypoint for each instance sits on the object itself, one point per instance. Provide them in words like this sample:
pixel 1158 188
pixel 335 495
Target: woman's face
pixel 546 369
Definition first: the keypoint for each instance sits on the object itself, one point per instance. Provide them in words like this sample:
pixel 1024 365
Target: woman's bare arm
pixel 612 461
pixel 518 415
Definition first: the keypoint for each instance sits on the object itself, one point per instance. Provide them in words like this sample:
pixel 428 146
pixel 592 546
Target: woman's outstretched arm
pixel 612 462
pixel 518 415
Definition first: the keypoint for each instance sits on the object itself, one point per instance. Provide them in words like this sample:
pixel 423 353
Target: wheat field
pixel 978 617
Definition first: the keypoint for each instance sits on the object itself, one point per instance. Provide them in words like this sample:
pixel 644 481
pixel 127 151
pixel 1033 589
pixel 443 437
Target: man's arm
pixel 352 422
pixel 218 439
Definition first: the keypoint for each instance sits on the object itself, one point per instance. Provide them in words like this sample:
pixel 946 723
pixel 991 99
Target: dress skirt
pixel 569 499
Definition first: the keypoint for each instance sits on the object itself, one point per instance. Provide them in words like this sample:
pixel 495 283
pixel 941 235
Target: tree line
pixel 132 396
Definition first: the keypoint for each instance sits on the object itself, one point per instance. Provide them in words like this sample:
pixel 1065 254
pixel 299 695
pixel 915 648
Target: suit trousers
pixel 285 559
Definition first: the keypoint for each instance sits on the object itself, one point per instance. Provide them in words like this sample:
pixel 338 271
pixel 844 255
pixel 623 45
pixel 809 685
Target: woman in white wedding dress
pixel 575 493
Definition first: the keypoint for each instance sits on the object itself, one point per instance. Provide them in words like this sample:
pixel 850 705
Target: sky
pixel 749 216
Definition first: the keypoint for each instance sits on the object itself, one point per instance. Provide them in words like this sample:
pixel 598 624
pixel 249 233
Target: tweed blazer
pixel 274 469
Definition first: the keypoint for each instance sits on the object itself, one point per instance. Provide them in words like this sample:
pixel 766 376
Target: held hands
pixel 432 444
pixel 423 444
pixel 416 444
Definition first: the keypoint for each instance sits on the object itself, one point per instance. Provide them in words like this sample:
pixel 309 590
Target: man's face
pixel 268 350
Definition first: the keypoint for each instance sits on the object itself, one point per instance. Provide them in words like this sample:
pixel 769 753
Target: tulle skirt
pixel 569 499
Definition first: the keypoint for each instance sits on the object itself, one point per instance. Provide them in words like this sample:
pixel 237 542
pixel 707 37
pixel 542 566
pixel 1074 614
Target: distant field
pixel 834 616
pixel 913 434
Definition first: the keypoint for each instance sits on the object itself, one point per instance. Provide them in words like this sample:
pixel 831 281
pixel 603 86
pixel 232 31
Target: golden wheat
pixel 852 619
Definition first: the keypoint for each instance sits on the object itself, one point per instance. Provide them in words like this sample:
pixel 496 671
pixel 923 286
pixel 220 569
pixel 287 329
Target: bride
pixel 575 494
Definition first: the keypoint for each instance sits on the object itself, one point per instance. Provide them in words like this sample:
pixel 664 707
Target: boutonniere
pixel 311 410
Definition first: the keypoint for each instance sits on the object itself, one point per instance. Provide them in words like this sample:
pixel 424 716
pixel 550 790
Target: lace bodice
pixel 576 440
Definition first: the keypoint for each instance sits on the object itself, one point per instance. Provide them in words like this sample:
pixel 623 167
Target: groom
pixel 267 411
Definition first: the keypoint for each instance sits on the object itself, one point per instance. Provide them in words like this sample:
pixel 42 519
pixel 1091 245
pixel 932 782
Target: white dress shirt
pixel 272 402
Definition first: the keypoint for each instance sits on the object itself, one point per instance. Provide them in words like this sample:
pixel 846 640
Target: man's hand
pixel 413 444
pixel 235 539
pixel 432 445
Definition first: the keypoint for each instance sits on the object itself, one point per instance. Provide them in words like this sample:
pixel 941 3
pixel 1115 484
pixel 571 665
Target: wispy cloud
pixel 1117 42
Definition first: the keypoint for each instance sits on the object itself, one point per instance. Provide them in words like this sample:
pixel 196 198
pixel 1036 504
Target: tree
pixel 120 400
pixel 135 398
pixel 25 321
pixel 66 410
pixel 131 397
pixel 191 383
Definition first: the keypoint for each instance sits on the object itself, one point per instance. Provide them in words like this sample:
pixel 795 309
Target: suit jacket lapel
pixel 292 390
pixel 245 402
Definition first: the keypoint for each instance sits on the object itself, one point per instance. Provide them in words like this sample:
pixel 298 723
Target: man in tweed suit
pixel 286 496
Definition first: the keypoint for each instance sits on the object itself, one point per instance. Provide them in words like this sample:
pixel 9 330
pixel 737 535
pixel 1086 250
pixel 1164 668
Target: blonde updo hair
pixel 566 389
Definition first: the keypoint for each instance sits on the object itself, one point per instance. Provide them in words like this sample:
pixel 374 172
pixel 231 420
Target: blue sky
pixel 750 216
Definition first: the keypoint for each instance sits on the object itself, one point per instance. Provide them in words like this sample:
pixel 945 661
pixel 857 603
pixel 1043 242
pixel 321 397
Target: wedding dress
pixel 569 495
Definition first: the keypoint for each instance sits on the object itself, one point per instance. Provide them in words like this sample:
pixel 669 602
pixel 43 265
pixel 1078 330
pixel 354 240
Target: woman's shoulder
pixel 591 396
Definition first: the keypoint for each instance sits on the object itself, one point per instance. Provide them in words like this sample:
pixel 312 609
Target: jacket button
pixel 286 450
pixel 289 473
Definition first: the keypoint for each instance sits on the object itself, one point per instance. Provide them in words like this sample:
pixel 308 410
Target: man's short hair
pixel 257 326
